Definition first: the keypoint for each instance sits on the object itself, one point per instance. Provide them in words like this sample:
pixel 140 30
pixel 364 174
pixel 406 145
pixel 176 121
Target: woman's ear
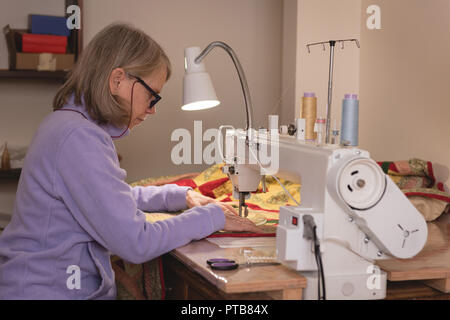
pixel 117 76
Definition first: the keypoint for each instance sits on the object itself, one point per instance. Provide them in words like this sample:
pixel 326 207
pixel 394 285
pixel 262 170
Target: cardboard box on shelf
pixel 34 61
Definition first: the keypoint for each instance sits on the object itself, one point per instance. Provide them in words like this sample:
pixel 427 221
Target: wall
pixel 405 72
pixel 325 20
pixel 401 72
pixel 289 62
pixel 252 28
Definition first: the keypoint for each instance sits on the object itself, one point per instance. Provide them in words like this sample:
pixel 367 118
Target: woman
pixel 73 208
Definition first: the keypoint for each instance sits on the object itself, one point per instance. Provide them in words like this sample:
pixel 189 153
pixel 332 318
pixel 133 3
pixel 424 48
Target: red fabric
pixel 186 183
pixel 428 195
pixel 250 205
pixel 431 173
pixel 207 189
pixel 241 235
pixel 161 277
pixel 256 207
pixel 393 167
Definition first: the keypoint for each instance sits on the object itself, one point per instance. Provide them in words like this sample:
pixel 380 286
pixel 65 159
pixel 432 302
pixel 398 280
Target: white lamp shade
pixel 198 92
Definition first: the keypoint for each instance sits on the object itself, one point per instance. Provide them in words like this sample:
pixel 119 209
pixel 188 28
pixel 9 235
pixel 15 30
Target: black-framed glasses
pixel 156 96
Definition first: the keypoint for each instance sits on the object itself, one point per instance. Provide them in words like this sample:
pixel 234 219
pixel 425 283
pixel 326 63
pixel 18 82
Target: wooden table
pixel 187 275
pixel 429 268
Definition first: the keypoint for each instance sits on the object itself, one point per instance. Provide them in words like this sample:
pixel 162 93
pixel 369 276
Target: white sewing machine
pixel 360 214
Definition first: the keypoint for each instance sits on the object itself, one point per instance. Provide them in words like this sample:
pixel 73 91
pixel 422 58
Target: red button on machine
pixel 294 221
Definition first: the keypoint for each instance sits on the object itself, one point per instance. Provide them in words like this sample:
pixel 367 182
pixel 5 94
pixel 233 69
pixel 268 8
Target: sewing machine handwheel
pixel 362 183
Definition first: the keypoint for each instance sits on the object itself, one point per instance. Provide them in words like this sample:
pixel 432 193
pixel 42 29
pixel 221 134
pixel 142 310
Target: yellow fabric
pixel 271 200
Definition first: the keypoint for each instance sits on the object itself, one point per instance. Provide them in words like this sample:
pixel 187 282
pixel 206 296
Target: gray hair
pixel 116 46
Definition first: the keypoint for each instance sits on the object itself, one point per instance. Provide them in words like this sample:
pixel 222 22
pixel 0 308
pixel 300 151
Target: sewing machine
pixel 359 213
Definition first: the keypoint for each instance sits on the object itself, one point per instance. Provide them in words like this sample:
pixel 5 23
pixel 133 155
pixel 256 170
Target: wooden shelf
pixel 75 45
pixel 31 74
pixel 13 174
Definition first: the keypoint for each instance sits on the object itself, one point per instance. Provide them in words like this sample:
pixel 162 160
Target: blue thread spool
pixel 350 119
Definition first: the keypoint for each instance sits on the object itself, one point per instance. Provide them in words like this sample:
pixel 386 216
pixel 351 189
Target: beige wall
pixel 401 72
pixel 289 62
pixel 252 28
pixel 405 72
pixel 323 20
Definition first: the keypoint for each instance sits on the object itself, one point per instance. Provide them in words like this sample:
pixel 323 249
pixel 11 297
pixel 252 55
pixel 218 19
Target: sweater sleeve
pixel 91 184
pixel 169 197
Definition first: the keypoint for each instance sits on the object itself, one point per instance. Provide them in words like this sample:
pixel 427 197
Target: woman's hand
pixel 233 222
pixel 194 199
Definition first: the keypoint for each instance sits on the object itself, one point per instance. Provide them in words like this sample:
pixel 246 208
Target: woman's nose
pixel 151 110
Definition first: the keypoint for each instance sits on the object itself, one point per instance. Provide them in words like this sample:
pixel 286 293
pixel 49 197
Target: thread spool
pixel 320 128
pixel 309 113
pixel 273 123
pixel 350 119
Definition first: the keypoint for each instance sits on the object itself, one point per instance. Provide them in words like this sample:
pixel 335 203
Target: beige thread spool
pixel 309 112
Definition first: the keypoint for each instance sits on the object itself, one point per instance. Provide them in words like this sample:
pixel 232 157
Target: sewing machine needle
pixel 242 204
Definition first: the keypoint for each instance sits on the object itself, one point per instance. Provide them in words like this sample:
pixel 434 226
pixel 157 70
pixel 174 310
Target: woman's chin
pixel 135 123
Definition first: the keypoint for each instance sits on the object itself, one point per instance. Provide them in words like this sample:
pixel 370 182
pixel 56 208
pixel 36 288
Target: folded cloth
pixel 415 177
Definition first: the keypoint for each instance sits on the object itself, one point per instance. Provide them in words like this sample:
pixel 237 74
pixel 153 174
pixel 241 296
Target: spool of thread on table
pixel 320 129
pixel 350 119
pixel 309 112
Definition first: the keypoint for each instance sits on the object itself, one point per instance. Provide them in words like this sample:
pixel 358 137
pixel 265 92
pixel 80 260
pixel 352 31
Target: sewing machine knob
pixel 362 183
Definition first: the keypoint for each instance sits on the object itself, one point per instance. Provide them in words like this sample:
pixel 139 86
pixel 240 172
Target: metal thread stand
pixel 332 44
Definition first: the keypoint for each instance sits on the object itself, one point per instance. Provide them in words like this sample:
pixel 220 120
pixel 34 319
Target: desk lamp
pixel 199 94
pixel 198 90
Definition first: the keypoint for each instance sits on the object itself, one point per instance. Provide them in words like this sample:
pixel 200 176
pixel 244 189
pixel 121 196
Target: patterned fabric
pixel 415 178
pixel 138 281
pixel 214 183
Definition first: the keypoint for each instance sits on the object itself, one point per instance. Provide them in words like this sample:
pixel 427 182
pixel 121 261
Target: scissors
pixel 222 264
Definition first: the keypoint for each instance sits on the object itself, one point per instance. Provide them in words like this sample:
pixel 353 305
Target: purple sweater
pixel 73 208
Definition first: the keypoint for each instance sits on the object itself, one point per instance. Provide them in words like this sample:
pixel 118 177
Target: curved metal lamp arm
pixel 244 85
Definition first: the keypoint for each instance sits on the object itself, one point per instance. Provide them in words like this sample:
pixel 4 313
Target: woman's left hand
pixel 194 199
